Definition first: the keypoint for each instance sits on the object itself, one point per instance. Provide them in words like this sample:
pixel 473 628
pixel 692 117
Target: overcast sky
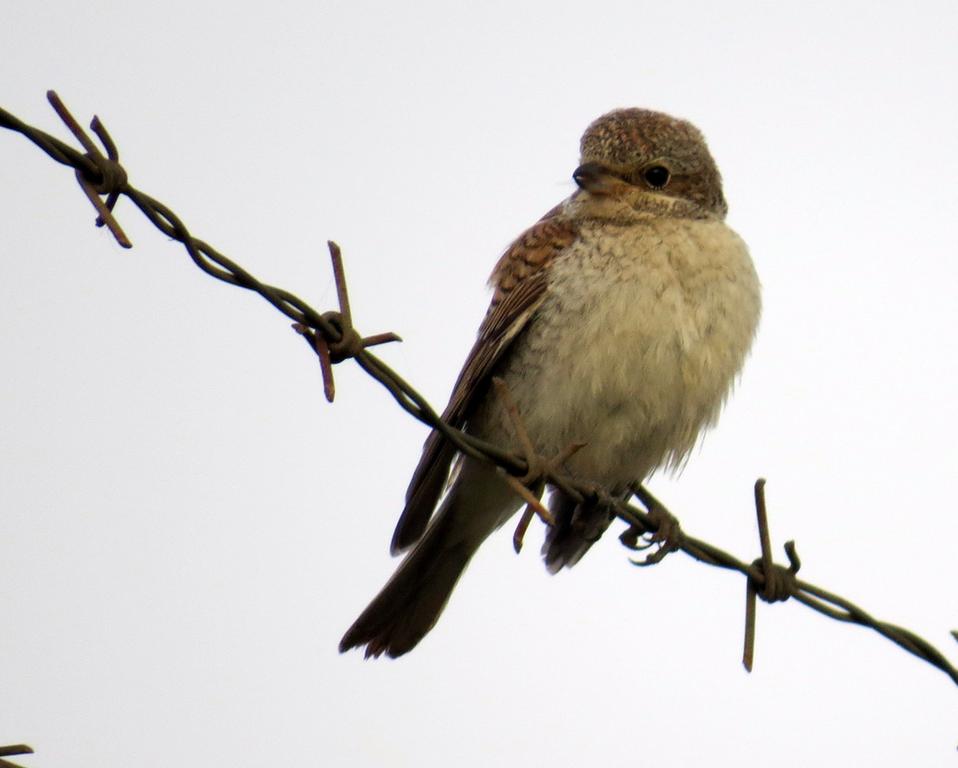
pixel 188 527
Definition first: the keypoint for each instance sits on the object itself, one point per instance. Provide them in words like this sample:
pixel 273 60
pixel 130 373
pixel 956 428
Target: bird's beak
pixel 596 178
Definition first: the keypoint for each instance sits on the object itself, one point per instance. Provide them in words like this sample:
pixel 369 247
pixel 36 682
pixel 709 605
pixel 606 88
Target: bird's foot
pixel 663 535
pixel 530 486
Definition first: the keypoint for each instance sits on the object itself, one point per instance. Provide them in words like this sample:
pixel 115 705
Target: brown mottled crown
pixel 628 138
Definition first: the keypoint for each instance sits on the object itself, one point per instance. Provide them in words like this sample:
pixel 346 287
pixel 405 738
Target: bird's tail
pixel 412 600
pixel 578 525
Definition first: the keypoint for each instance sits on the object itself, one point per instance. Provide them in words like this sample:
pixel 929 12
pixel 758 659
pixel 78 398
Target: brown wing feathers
pixel 519 281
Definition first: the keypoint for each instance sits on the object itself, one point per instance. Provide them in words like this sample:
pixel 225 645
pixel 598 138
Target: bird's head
pixel 636 160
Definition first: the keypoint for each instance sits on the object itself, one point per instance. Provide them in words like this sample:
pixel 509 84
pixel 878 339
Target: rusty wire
pixel 11 751
pixel 332 337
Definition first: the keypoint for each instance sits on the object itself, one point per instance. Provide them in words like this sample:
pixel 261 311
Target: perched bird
pixel 620 320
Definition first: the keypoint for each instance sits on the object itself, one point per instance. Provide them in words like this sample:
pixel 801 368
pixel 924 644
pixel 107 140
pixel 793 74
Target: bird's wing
pixel 519 282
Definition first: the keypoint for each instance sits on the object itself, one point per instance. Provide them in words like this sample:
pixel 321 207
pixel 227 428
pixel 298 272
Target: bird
pixel 619 322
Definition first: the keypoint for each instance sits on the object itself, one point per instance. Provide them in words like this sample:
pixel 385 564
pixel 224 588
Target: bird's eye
pixel 656 176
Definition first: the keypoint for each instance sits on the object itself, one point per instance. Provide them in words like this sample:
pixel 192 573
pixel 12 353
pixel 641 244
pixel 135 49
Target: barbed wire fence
pixel 333 338
pixel 13 750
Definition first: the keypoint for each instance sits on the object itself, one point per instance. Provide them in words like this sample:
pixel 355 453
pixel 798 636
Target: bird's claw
pixel 664 538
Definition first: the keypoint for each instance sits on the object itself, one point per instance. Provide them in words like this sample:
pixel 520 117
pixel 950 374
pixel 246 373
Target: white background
pixel 187 528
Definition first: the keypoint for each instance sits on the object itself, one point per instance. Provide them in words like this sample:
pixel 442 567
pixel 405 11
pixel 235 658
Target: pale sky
pixel 188 527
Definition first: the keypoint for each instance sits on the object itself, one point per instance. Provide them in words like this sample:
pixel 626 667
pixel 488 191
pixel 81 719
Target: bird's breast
pixel 636 345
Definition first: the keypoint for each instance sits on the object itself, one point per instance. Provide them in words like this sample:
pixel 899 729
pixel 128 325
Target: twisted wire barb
pixel 333 338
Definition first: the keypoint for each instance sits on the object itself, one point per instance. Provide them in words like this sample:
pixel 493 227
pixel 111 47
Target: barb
pixel 112 176
pixel 350 343
pixel 332 338
pixel 779 583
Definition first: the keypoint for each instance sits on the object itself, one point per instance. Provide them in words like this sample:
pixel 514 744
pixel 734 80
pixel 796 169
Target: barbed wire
pixel 11 751
pixel 333 338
